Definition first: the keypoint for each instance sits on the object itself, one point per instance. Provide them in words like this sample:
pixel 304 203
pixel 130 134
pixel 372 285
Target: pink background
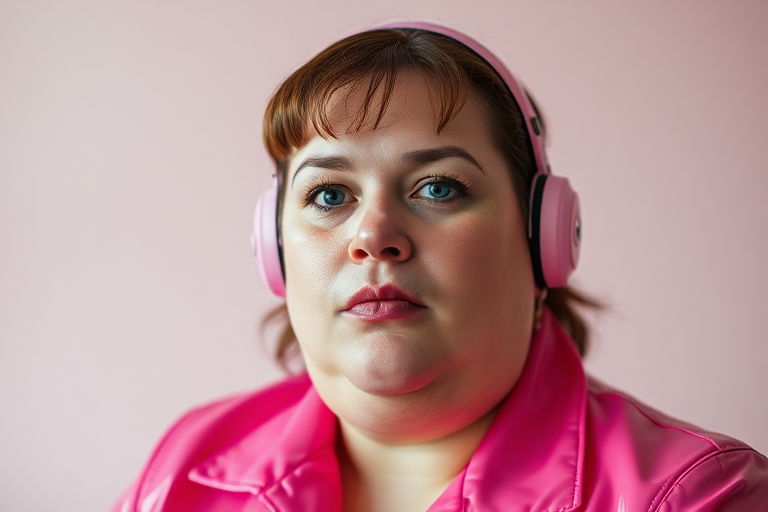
pixel 131 159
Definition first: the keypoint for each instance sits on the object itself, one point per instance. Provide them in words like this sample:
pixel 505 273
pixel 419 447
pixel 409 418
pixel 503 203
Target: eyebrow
pixel 417 157
pixel 334 163
pixel 427 156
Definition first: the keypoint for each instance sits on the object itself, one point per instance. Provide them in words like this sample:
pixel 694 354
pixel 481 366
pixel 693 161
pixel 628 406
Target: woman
pixel 423 249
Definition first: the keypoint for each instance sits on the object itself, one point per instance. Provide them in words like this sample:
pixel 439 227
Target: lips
pixel 387 302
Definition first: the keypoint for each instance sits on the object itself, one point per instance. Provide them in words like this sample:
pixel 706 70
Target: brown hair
pixel 368 63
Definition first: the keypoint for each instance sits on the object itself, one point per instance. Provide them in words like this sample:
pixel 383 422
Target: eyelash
pixel 452 180
pixel 314 189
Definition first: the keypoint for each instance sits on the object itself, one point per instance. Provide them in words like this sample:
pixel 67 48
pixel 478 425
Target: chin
pixel 389 368
pixel 389 386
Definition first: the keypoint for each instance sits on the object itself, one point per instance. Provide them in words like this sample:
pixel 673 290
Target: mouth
pixel 387 302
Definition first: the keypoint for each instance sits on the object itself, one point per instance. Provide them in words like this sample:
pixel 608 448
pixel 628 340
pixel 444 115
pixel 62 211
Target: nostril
pixel 394 251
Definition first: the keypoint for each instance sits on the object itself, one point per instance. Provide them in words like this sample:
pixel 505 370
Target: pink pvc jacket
pixel 560 442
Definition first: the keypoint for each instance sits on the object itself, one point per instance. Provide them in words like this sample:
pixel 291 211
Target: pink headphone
pixel 554 225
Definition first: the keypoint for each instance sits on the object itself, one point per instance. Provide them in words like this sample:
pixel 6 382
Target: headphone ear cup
pixel 266 247
pixel 555 230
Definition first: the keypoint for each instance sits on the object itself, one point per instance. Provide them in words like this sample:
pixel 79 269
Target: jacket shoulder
pixel 241 411
pixel 206 429
pixel 661 463
pixel 212 426
pixel 605 399
pixel 728 480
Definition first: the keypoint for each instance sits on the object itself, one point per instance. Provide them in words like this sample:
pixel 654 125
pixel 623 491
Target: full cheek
pixel 487 287
pixel 313 260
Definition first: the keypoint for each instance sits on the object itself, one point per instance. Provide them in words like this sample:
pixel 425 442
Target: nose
pixel 379 237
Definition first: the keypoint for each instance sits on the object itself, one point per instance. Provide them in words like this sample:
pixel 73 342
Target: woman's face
pixel 409 282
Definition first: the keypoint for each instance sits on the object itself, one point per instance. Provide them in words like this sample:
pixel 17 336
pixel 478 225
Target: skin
pixel 414 395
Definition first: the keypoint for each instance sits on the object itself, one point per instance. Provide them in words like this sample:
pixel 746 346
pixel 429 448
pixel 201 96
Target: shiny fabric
pixel 560 442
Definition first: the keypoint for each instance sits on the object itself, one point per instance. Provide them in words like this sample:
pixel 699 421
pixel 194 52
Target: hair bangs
pixel 364 66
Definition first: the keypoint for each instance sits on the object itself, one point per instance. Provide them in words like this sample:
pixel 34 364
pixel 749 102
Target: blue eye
pixel 442 190
pixel 331 197
pixel 438 190
pixel 327 198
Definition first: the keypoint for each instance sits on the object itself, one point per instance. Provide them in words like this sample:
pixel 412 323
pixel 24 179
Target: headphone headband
pixel 516 89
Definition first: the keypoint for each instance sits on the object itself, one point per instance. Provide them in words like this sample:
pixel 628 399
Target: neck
pixel 383 475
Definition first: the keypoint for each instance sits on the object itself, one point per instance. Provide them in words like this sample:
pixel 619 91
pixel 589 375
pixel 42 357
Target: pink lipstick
pixel 387 302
